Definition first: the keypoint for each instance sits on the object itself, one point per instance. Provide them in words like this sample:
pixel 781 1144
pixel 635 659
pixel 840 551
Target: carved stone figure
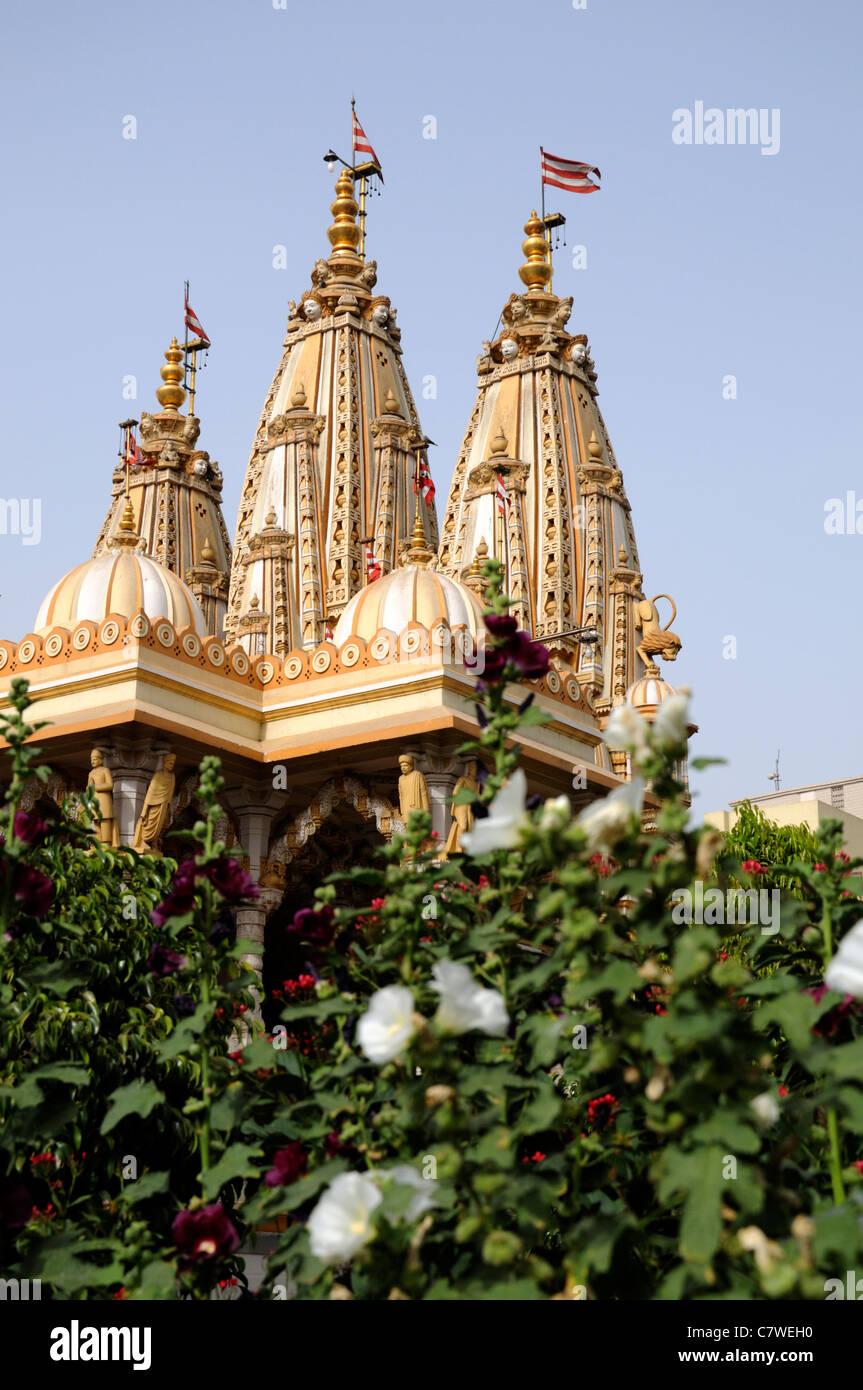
pixel 156 812
pixel 462 816
pixel 413 790
pixel 579 354
pixel 655 640
pixel 509 349
pixel 311 309
pixel 560 317
pixel 147 425
pixel 320 273
pixel 380 315
pixel 368 276
pixel 102 782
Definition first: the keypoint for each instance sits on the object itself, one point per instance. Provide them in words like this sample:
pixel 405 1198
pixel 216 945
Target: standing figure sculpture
pixel 102 782
pixel 462 815
pixel 156 811
pixel 413 791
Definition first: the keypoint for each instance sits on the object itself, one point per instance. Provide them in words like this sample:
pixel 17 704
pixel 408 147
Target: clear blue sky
pixel 703 261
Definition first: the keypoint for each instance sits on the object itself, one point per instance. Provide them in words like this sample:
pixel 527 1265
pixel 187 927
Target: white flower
pixel 845 971
pixel 341 1222
pixel 627 729
pixel 501 828
pixel 607 821
pixel 424 1188
pixel 464 1004
pixel 388 1025
pixel 669 726
pixel 556 813
pixel 766 1108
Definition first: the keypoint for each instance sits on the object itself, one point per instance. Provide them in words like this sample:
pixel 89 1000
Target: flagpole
pixel 546 230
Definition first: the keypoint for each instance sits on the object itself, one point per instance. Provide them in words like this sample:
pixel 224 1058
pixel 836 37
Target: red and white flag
pixel 568 174
pixel 423 480
pixel 328 633
pixel 133 453
pixel 192 321
pixel 373 569
pixel 362 144
pixel 502 496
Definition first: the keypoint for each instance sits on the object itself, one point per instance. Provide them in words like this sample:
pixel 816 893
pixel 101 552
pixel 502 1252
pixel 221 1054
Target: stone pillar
pixel 254 822
pixel 441 786
pixel 130 788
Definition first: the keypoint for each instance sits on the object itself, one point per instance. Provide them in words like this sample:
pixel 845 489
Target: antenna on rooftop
pixel 774 775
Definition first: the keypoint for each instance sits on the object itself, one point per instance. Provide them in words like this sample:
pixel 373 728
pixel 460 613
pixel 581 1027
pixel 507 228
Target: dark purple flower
pixel 317 927
pixel 531 659
pixel 163 961
pixel 181 895
pixel 230 879
pixel 481 717
pixel 184 1005
pixel 32 890
pixel 16 1205
pixel 29 828
pixel 335 1147
pixel 502 625
pixel 289 1164
pixel 221 930
pixel 204 1234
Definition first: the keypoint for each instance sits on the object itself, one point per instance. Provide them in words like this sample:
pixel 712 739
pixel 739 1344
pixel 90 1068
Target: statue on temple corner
pixel 102 782
pixel 413 790
pixel 655 640
pixel 462 815
pixel 156 811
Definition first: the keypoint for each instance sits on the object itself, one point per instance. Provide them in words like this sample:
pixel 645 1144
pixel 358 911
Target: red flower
pixel 840 854
pixel 204 1233
pixel 858 1164
pixel 289 1164
pixel 752 866
pixel 28 828
pixel 819 867
pixel 601 1112
pixel 783 1092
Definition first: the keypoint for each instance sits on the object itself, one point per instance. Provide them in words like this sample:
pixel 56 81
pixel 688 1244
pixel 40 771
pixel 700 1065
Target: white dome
pixel 409 595
pixel 124 582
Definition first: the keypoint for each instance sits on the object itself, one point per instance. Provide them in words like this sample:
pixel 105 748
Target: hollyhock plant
pixel 29 828
pixel 341 1223
pixel 670 725
pixel 607 821
pixel 845 971
pixel 204 1233
pixel 289 1164
pixel 163 961
pixel 314 926
pixel 388 1025
pixel 32 891
pixel 181 897
pixel 506 819
pixel 464 1004
pixel 230 879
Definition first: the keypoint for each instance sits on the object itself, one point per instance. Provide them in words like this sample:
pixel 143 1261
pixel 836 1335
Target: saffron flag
pixel 192 321
pixel 423 479
pixel 373 569
pixel 361 142
pixel 502 496
pixel 133 453
pixel 328 633
pixel 568 174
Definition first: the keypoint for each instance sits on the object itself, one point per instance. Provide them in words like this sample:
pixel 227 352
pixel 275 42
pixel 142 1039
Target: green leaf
pixel 29 1092
pixel 138 1098
pixel 147 1186
pixel 235 1162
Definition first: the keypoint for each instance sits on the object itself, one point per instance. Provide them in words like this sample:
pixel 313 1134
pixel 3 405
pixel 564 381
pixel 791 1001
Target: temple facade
pixel 323 655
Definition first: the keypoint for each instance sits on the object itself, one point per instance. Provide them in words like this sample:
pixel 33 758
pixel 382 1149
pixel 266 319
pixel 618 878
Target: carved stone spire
pixel 175 493
pixel 334 455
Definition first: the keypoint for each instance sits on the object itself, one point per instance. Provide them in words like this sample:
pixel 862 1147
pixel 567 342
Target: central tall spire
pixel 333 465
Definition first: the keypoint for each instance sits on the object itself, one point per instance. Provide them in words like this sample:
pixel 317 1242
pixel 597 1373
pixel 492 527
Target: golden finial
pixel 498 444
pixel 594 448
pixel 298 399
pixel 391 405
pixel 126 535
pixel 270 518
pixel 536 272
pixel 208 554
pixel 344 234
pixel 171 395
pixel 473 579
pixel 254 603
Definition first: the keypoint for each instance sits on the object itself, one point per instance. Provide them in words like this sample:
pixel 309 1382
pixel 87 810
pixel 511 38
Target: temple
pixel 328 656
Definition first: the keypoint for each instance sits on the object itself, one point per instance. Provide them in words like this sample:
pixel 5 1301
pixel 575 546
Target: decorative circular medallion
pixel 411 642
pixel 191 644
pixel 216 654
pixel 139 626
pixel 54 644
pixel 165 634
pixel 292 667
pixel 573 690
pixel 553 682
pixel 109 632
pixel 349 654
pixel 81 638
pixel 240 662
pixel 265 671
pixel 4 657
pixel 383 647
pixel 26 651
pixel 321 661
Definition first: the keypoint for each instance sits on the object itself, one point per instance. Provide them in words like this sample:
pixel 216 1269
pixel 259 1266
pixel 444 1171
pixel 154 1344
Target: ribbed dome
pixel 412 594
pixel 647 694
pixel 124 582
